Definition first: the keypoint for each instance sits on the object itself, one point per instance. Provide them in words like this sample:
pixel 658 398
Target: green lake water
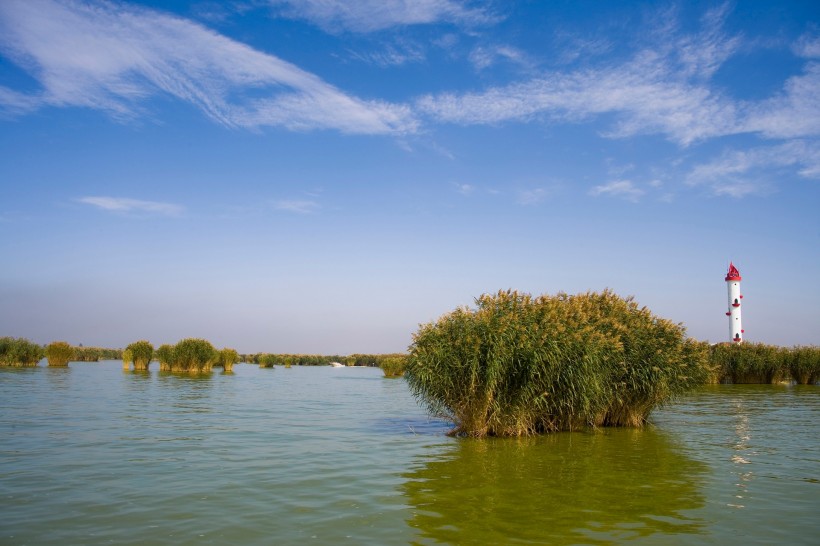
pixel 92 454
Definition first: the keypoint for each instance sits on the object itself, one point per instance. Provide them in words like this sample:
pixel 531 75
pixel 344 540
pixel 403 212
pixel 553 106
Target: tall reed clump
pixel 193 355
pixel 393 365
pixel 165 355
pixel 142 352
pixel 59 353
pixel 267 361
pixel 517 365
pixel 227 358
pixel 749 362
pixel 127 358
pixel 19 352
pixel 805 364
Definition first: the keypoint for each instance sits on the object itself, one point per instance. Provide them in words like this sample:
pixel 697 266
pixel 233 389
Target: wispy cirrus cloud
pixel 113 57
pixel 625 189
pixel 742 172
pixel 391 55
pixel 662 88
pixel 127 205
pixel 299 206
pixel 375 15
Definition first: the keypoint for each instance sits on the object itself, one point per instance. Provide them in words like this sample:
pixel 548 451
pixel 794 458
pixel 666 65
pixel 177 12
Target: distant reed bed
pixel 760 363
pixel 19 352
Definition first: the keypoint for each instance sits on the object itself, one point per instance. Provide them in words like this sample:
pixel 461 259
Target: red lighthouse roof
pixel 733 274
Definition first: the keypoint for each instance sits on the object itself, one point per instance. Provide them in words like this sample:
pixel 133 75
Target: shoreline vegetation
pixel 513 365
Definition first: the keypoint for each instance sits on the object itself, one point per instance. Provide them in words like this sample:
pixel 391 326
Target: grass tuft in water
pixel 393 365
pixel 142 352
pixel 517 365
pixel 19 352
pixel 59 353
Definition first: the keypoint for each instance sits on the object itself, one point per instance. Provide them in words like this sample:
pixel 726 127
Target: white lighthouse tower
pixel 733 284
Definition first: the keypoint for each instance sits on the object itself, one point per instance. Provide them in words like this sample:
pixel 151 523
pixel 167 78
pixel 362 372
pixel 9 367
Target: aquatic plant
pixel 393 365
pixel 804 364
pixel 194 355
pixel 127 358
pixel 267 361
pixel 19 352
pixel 517 365
pixel 59 353
pixel 227 358
pixel 165 355
pixel 141 353
pixel 749 362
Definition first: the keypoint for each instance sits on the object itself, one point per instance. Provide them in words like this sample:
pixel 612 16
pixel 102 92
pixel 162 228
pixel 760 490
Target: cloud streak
pixel 374 15
pixel 618 188
pixel 299 206
pixel 742 172
pixel 126 205
pixel 113 57
pixel 664 88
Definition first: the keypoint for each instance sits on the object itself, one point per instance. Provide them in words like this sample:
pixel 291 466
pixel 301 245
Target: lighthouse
pixel 733 285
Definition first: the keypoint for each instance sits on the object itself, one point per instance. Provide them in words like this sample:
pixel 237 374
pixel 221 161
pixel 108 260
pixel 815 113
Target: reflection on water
pixel 742 453
pixel 571 487
pixel 94 455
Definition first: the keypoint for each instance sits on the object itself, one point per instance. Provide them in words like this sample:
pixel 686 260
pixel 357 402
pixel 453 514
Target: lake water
pixel 92 454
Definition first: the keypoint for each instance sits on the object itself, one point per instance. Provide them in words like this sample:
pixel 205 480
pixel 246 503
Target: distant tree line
pixel 285 359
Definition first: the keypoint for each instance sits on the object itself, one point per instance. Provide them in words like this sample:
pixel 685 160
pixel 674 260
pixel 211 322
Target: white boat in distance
pixel 337 364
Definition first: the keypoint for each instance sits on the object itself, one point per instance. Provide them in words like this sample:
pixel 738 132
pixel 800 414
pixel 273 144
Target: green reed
pixel 517 365
pixel 227 358
pixel 763 364
pixel 193 355
pixel 59 353
pixel 19 352
pixel 804 364
pixel 141 352
pixel 393 365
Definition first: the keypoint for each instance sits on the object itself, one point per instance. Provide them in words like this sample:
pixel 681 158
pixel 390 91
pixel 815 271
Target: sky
pixel 323 176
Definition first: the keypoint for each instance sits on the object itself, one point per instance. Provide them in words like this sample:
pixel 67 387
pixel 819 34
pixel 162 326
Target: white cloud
pixel 375 15
pixel 662 89
pixel 300 206
pixel 122 204
pixel 483 57
pixel 532 197
pixel 465 189
pixel 113 56
pixel 793 113
pixel 391 55
pixel 807 46
pixel 16 103
pixel 618 188
pixel 645 93
pixel 743 172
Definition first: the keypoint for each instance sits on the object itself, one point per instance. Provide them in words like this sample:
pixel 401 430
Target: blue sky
pixel 321 176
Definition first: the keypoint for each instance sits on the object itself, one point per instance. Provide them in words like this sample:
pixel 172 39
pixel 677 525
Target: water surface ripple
pixel 91 454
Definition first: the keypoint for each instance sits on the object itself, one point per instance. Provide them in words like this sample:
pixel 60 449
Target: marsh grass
pixel 194 356
pixel 165 355
pixel 227 358
pixel 19 352
pixel 517 365
pixel 759 363
pixel 804 365
pixel 267 361
pixel 142 352
pixel 393 365
pixel 59 353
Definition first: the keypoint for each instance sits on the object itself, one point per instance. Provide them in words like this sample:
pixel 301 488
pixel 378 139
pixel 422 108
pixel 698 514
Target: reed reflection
pixel 562 488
